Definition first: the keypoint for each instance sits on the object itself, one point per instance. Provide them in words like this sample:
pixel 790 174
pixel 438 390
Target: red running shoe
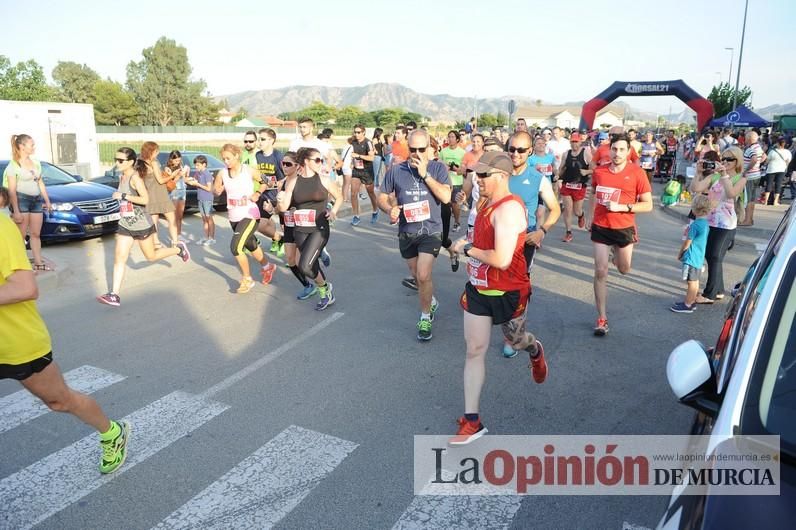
pixel 567 237
pixel 601 328
pixel 469 431
pixel 538 365
pixel 267 272
pixel 582 221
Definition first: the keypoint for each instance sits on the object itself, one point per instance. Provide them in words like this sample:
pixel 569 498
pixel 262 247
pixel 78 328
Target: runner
pixel 543 161
pixel 530 186
pixel 452 156
pixel 269 165
pixel 159 202
pixel 421 186
pixel 134 224
pixel 602 155
pixel 243 213
pixel 306 196
pixel 668 159
pixel 362 155
pixel 248 156
pixel 634 143
pixel 650 150
pixel 619 191
pixel 558 145
pixel 26 349
pixel 574 173
pixel 498 289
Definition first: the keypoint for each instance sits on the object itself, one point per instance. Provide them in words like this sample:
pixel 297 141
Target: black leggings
pixel 719 240
pixel 447 212
pixel 310 245
pixel 243 236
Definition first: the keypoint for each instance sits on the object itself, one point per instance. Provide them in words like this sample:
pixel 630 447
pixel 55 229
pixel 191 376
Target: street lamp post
pixel 729 74
pixel 740 57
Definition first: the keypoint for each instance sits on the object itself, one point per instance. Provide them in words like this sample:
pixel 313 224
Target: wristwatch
pixel 466 249
pixel 124 196
pixel 629 208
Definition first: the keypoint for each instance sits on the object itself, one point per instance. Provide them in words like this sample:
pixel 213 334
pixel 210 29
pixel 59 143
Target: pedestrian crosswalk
pixel 257 492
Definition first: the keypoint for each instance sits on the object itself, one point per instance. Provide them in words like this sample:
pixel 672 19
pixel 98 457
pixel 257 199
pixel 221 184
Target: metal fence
pixel 187 129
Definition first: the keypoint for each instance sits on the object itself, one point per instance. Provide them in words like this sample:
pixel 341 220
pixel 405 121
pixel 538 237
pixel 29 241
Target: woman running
pixel 135 224
pixel 306 196
pixel 290 169
pixel 27 194
pixel 244 215
pixel 159 201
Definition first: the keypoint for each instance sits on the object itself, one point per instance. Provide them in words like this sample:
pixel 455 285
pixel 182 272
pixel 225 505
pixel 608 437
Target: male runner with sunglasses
pixel 421 186
pixel 269 163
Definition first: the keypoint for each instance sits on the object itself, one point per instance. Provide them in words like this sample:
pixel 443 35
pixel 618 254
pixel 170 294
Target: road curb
pixel 750 231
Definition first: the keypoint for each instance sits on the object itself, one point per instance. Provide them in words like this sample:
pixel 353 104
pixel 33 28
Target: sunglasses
pixel 417 149
pixel 121 160
pixel 249 141
pixel 410 129
pixel 520 150
pixel 358 132
pixel 316 160
pixel 264 138
pixel 728 159
pixel 485 175
pixel 288 164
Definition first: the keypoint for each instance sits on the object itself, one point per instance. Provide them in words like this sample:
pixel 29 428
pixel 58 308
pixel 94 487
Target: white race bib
pixel 415 212
pixel 126 209
pixel 288 218
pixel 573 185
pixel 304 218
pixel 477 272
pixel 606 194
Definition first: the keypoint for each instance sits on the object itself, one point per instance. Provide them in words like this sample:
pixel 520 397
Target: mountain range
pixel 437 107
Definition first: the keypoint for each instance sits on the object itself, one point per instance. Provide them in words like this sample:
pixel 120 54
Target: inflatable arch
pixel 677 88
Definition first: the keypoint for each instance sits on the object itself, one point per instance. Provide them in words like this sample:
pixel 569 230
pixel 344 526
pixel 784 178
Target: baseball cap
pixel 494 160
pixel 493 141
pixel 575 137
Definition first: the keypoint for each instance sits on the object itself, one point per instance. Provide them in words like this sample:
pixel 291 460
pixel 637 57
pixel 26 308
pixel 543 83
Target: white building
pixel 65 133
pixel 567 116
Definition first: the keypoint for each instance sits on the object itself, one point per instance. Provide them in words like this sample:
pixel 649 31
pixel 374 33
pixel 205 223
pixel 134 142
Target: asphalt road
pixel 323 419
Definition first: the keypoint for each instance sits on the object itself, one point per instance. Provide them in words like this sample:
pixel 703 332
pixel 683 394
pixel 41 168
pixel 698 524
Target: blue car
pixel 80 209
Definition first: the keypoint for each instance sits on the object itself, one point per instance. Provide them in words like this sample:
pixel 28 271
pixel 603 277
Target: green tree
pixel 388 117
pixel 113 105
pixel 161 86
pixel 502 119
pixel 24 81
pixel 349 116
pixel 721 97
pixel 240 115
pixel 319 112
pixel 75 82
pixel 487 121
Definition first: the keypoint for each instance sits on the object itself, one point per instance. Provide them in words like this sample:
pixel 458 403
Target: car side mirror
pixel 77 178
pixel 689 371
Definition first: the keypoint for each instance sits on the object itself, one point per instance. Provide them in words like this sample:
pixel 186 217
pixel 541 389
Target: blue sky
pixel 554 50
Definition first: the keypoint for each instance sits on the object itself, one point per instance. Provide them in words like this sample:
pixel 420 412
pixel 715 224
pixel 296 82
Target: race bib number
pixel 288 218
pixel 646 164
pixel 606 194
pixel 232 203
pixel 416 212
pixel 573 185
pixel 126 209
pixel 304 218
pixel 544 169
pixel 359 164
pixel 477 272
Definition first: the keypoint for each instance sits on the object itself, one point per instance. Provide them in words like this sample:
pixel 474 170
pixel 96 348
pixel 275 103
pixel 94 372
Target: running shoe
pixel 267 271
pixel 274 246
pixel 582 221
pixel 184 254
pixel 567 237
pixel 454 262
pixel 374 218
pixel 455 227
pixel 202 242
pixel 363 196
pixel 114 450
pixel 601 328
pixel 110 299
pixel 327 297
pixel 355 221
pixel 409 283
pixel 280 251
pixel 469 431
pixel 210 242
pixel 424 329
pixel 434 307
pixel 246 285
pixel 538 365
pixel 307 292
pixel 682 307
pixel 508 351
pixel 326 258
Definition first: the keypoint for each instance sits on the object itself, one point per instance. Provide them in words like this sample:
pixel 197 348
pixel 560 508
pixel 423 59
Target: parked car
pixel 214 165
pixel 80 209
pixel 746 385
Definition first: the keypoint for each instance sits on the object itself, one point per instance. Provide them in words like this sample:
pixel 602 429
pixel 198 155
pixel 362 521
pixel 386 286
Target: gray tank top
pixel 134 216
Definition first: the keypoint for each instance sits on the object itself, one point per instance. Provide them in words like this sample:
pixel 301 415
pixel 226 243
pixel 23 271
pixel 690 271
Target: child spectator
pixel 692 253
pixel 204 197
pixel 672 191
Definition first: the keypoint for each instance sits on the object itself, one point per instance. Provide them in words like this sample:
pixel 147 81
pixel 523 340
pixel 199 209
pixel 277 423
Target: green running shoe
pixel 114 450
pixel 280 251
pixel 424 329
pixel 274 246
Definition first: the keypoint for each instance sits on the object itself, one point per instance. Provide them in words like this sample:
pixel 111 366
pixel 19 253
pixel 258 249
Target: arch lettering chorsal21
pixel 676 88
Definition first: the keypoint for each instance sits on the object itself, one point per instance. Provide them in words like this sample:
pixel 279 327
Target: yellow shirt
pixel 23 335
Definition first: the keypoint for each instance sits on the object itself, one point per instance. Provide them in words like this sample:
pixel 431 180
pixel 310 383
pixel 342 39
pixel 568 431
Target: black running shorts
pixel 502 308
pixel 20 372
pixel 413 244
pixel 620 237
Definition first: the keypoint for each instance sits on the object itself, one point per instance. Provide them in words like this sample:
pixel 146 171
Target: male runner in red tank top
pixel 498 289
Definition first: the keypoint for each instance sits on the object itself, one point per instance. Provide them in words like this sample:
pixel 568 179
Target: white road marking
pixel 22 406
pixel 46 487
pixel 266 486
pixel 629 526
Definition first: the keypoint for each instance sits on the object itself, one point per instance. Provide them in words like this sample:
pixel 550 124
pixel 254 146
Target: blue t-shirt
pixel 270 167
pixel 411 191
pixel 526 186
pixel 544 164
pixel 698 234
pixel 205 178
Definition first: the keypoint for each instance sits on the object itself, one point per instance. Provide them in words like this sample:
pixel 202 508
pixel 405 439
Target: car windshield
pixel 55 176
pixel 213 163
